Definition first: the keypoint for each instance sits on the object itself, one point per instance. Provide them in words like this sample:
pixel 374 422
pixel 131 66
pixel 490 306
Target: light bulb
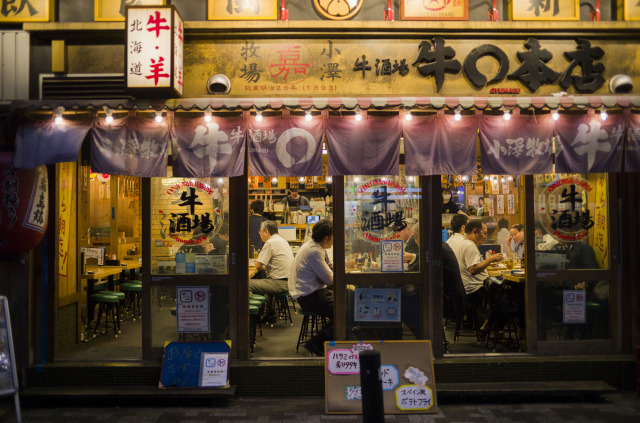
pixel 603 114
pixel 408 115
pixel 507 115
pixel 108 119
pixel 555 115
pixel 58 120
pixel 159 118
pixel 486 177
pixel 274 180
pixel 457 116
pixel 301 180
pixel 308 116
pixel 258 116
pixel 329 179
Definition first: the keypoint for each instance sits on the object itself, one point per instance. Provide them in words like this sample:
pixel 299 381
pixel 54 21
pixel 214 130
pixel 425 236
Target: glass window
pixel 572 222
pixel 189 226
pixel 380 208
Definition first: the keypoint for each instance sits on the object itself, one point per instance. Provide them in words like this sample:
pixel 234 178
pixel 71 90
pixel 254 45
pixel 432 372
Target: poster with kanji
pixel 545 10
pixel 228 10
pixel 406 373
pixel 115 10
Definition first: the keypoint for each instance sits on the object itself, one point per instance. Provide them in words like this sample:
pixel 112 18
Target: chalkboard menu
pixel 406 373
pixel 195 364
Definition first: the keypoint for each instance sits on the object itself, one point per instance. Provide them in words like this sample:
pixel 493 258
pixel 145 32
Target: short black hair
pixel 503 223
pixel 518 226
pixel 257 206
pixel 270 226
pixel 473 224
pixel 458 221
pixel 322 229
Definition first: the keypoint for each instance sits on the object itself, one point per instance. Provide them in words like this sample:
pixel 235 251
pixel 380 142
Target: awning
pixel 335 103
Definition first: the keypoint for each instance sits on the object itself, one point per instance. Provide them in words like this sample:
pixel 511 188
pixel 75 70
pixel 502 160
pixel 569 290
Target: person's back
pixel 255 220
pixel 280 256
pixel 453 294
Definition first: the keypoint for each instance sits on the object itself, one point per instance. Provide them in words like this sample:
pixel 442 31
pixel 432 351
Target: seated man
pixel 515 241
pixel 473 268
pixel 310 275
pixel 275 258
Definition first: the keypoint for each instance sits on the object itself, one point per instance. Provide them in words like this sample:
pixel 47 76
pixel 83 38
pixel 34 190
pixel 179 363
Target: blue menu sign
pixel 377 305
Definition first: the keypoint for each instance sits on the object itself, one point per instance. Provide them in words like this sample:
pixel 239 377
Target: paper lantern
pixel 24 206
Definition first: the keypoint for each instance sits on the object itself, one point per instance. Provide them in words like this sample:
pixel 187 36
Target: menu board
pixel 406 374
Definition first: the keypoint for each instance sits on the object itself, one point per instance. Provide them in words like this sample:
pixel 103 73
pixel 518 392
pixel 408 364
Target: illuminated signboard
pixel 154 51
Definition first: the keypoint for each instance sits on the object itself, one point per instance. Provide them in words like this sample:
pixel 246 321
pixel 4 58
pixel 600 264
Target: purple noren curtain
pixel 586 144
pixel 368 147
pixel 208 149
pixel 438 145
pixel 131 145
pixel 632 147
pixel 285 146
pixel 522 145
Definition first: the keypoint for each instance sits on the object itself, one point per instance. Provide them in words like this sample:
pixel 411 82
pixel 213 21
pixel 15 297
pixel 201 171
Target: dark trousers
pixel 320 302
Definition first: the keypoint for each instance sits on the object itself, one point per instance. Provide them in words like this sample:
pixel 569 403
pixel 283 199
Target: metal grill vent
pixel 83 87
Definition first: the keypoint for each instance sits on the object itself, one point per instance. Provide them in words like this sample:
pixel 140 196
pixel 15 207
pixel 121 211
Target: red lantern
pixel 24 206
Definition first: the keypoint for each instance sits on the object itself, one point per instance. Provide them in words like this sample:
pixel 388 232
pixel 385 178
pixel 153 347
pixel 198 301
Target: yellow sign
pixel 631 10
pixel 66 178
pixel 545 10
pixel 229 10
pixel 437 10
pixel 114 10
pixel 25 11
pixel 352 67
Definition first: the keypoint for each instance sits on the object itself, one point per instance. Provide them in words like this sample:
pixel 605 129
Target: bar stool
pixel 312 323
pixel 133 292
pixel 262 300
pixel 281 304
pixel 109 304
pixel 257 303
pixel 253 317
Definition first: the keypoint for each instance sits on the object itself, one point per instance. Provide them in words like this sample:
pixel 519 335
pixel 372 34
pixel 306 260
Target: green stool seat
pixel 253 317
pixel 134 292
pixel 108 303
pixel 136 281
pixel 255 303
pixel 258 297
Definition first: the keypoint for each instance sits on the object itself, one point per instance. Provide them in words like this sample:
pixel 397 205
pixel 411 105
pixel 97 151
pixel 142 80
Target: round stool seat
pixel 118 294
pixel 136 281
pixel 131 286
pixel 253 310
pixel 256 303
pixel 105 298
pixel 258 297
pixel 173 311
pixel 307 313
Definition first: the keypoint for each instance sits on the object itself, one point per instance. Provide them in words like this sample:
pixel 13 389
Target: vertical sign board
pixel 154 51
pixel 8 372
pixel 192 309
pixel 406 373
pixel 195 364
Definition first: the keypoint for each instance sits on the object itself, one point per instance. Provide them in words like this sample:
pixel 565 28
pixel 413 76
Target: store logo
pixel 338 9
pixel 564 209
pixel 282 151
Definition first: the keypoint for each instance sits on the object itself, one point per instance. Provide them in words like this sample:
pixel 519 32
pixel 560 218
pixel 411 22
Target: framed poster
pixel 231 10
pixel 114 10
pixel 545 10
pixel 26 11
pixel 438 10
pixel 631 10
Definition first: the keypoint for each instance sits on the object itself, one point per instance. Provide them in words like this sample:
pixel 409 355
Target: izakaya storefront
pixel 573 175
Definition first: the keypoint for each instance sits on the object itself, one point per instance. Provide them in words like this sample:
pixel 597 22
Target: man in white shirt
pixel 310 278
pixel 276 259
pixel 473 268
pixel 458 223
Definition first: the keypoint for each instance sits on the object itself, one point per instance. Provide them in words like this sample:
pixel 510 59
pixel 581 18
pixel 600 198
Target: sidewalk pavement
pixel 619 407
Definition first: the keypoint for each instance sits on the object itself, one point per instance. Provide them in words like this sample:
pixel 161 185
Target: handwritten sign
pixel 500 203
pixel 391 256
pixel 406 373
pixel 343 362
pixel 511 204
pixel 414 397
pixel 389 376
pixel 574 306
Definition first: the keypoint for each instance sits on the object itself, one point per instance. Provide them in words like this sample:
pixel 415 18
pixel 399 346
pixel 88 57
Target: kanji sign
pixel 24 10
pixel 436 10
pixel 154 51
pixel 246 10
pixel 114 10
pixel 545 10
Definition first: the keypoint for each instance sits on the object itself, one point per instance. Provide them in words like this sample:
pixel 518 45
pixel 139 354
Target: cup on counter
pixel 510 263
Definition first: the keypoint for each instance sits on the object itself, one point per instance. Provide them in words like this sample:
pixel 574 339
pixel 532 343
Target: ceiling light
pixel 159 118
pixel 274 180
pixel 58 115
pixel 109 115
pixel 603 113
pixel 258 115
pixel 301 180
pixel 329 179
pixel 509 178
pixel 457 116
pixel 486 177
pixel 358 114
pixel 410 178
pixel 407 114
pixel 507 115
pixel 308 116
pixel 555 115
pixel 207 114
pixel 220 181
